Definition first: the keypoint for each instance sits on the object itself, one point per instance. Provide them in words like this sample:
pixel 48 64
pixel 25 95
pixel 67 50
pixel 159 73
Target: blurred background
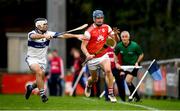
pixel 153 24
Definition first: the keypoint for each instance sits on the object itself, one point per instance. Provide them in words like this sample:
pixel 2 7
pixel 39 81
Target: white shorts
pixel 93 64
pixel 33 60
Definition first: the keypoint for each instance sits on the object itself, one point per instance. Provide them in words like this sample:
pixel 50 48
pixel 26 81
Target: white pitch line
pixel 136 105
pixel 86 98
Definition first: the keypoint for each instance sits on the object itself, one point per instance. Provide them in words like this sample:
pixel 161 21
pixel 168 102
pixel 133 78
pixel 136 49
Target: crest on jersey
pixel 103 30
pixel 100 38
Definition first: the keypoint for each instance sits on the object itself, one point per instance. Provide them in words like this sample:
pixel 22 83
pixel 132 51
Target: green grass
pixel 17 102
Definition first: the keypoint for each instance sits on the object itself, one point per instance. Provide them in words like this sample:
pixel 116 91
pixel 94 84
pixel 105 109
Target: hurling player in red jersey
pixel 95 51
pixel 118 75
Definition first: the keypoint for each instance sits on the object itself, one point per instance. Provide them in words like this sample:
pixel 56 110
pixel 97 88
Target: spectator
pixel 77 68
pixel 56 76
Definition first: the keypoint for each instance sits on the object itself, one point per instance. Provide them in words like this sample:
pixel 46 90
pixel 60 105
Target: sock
pixel 34 85
pixel 121 88
pixel 110 90
pixel 89 86
pixel 42 92
pixel 132 88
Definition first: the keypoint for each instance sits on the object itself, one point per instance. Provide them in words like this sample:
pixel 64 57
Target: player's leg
pixel 92 69
pixel 121 88
pixel 129 79
pixel 91 80
pixel 119 78
pixel 98 84
pixel 106 65
pixel 106 92
pixel 29 89
pixel 39 80
pixel 82 83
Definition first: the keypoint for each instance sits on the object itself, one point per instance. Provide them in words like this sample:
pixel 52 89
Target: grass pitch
pixel 18 102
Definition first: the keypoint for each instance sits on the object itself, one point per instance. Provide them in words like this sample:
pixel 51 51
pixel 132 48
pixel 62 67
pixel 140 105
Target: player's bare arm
pixel 40 36
pixel 68 35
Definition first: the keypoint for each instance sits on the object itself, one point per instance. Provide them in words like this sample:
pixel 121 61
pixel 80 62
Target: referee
pixel 132 54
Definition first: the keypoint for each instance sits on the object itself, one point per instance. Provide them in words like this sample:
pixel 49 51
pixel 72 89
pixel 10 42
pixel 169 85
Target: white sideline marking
pixel 136 105
pixel 86 98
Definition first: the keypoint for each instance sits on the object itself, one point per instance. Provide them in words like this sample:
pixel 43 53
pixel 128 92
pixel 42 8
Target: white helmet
pixel 40 22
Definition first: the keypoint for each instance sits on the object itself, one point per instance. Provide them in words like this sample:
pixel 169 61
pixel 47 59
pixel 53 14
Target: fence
pixel 168 86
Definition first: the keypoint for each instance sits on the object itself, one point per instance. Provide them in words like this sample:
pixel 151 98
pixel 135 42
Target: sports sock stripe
pixel 42 91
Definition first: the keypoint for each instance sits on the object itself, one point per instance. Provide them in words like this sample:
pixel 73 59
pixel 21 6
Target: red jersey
pixel 56 66
pixel 110 53
pixel 96 37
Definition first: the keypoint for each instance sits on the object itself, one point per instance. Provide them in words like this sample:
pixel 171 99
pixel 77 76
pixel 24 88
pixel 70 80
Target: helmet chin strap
pixel 98 24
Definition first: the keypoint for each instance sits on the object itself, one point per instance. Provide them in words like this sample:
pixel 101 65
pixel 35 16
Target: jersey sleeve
pixel 110 31
pixel 87 35
pixel 30 33
pixel 138 50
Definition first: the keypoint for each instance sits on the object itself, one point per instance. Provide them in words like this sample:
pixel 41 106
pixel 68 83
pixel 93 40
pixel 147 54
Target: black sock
pixel 34 85
pixel 131 89
pixel 121 88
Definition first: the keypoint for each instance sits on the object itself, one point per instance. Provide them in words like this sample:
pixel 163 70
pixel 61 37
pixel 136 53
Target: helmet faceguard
pixel 98 14
pixel 40 22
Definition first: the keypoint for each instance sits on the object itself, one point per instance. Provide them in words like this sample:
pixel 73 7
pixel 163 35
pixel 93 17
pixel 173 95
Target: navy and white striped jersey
pixel 38 47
